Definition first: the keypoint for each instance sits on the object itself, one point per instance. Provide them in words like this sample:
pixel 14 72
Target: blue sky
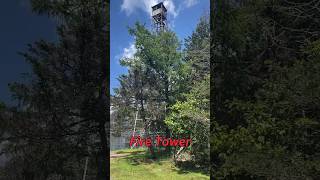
pixel 19 27
pixel 183 16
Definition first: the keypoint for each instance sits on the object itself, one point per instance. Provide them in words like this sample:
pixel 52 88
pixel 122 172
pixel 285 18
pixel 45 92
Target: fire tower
pixel 159 17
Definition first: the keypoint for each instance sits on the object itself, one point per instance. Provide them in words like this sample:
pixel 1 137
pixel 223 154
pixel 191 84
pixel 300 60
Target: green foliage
pixel 60 118
pixel 2 106
pixel 264 145
pixel 197 51
pixel 151 84
pixel 266 90
pixel 190 118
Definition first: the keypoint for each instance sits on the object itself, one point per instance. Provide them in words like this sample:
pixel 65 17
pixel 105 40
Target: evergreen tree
pixel 62 116
pixel 264 124
pixel 189 116
pixel 150 85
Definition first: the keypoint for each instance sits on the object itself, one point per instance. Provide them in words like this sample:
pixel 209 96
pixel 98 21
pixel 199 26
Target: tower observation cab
pixel 159 17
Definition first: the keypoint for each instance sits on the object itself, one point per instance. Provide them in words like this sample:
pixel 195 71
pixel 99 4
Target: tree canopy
pixel 265 120
pixel 62 116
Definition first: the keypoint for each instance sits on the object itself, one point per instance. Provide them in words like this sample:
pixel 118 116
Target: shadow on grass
pixel 162 162
pixel 181 167
pixel 147 157
pixel 184 167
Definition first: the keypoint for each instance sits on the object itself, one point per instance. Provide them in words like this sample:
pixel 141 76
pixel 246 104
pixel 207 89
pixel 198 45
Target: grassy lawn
pixel 137 165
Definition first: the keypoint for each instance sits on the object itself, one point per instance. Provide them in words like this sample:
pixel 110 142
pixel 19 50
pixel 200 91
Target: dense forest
pixel 265 64
pixel 59 127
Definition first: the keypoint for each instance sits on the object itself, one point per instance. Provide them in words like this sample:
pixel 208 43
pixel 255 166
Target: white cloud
pixel 130 6
pixel 189 3
pixel 171 8
pixel 129 52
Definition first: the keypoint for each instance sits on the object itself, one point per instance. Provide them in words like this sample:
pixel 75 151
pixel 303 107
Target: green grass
pixel 137 165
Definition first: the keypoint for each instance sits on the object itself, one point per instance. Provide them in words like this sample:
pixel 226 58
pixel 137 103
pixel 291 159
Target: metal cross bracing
pixel 153 134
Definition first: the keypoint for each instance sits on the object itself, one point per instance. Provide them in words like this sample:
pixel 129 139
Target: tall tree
pixel 62 113
pixel 152 76
pixel 190 114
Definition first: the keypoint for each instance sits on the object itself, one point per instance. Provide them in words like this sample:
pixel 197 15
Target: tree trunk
pixel 146 132
pixel 168 149
pixel 103 154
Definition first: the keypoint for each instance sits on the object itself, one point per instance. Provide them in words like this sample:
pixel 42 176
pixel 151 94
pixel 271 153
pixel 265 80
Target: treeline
pixel 265 59
pixel 168 86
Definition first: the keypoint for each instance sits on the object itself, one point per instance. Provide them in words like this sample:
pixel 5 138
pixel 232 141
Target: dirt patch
pixel 113 155
pixel 121 154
